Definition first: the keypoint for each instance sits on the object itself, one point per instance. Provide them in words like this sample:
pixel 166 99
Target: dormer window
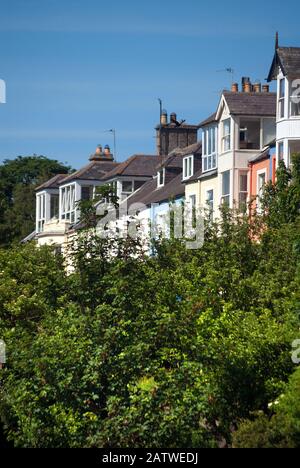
pixel 188 167
pixel 161 175
pixel 281 100
pixel 209 157
pixel 295 98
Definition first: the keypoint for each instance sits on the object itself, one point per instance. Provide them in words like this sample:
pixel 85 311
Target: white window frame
pixel 226 195
pixel 40 211
pixel 68 203
pixel 159 182
pixel 281 99
pixel 226 137
pixel 188 167
pixel 243 173
pixel 209 149
pixel 193 200
pixel 125 193
pixel 258 188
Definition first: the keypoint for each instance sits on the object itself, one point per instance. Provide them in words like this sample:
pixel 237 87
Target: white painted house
pixel 242 127
pixel 285 69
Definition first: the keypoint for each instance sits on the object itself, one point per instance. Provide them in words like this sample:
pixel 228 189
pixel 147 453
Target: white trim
pixel 185 174
pixel 163 170
pixel 259 190
pixel 209 157
pixel 67 206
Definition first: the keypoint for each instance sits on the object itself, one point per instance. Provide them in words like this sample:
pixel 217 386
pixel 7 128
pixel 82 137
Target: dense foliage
pixel 179 349
pixel 18 180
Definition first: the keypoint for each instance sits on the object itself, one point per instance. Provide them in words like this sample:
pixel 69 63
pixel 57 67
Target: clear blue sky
pixel 75 68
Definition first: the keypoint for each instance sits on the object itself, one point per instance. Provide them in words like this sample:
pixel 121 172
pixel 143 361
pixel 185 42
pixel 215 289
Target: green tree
pixel 169 350
pixel 18 180
pixel 281 428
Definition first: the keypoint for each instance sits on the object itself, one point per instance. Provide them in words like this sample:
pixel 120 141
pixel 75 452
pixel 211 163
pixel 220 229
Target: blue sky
pixel 75 68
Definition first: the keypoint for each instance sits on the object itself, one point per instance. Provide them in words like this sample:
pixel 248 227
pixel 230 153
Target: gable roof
pixel 137 165
pixel 288 59
pixel 52 183
pixel 256 104
pixel 95 170
pixel 212 118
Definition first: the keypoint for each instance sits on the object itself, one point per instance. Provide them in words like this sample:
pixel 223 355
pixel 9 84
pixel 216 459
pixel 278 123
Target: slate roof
pixel 174 159
pixel 288 58
pixel 256 104
pixel 209 120
pixel 260 156
pixel 149 193
pixel 95 170
pixel 52 183
pixel 137 165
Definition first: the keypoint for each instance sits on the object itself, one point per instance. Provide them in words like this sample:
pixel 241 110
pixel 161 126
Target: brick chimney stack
pixel 234 88
pixel 174 134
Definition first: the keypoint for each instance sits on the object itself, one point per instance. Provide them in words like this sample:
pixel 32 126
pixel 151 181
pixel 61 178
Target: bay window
pixel 226 135
pixel 54 206
pixel 41 211
pixel 295 98
pixel 209 145
pixel 281 100
pixel 68 203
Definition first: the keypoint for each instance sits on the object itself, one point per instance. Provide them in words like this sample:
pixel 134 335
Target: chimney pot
pixel 164 118
pixel 234 88
pixel 173 117
pixel 265 88
pixel 98 150
pixel 245 79
pixel 248 87
pixel 106 150
pixel 257 87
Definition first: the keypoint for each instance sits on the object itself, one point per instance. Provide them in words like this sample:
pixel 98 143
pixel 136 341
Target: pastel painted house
pixel 262 169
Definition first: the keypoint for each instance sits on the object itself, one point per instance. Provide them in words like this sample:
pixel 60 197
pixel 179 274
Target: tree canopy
pixel 181 349
pixel 18 179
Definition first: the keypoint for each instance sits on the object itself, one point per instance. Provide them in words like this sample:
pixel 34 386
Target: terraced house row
pixel 227 158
